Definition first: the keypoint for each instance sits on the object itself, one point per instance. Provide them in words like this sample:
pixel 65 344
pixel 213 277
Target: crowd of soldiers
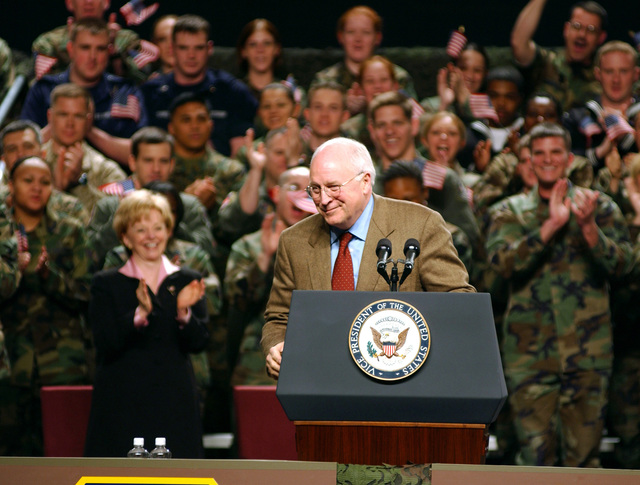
pixel 533 165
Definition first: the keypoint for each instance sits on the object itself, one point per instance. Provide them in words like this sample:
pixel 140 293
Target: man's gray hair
pixel 355 154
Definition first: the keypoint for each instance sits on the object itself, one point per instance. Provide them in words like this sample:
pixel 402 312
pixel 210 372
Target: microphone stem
pixel 394 277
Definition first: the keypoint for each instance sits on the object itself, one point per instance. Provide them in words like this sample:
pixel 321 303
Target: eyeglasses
pixel 332 191
pixel 589 29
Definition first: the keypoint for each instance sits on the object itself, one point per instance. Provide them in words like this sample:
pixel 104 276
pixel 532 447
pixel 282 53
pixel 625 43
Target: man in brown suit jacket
pixel 341 181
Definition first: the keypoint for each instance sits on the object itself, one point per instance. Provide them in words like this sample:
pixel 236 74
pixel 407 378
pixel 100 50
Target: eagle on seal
pixel 386 343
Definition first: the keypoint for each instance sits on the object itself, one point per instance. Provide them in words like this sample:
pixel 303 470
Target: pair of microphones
pixel 383 252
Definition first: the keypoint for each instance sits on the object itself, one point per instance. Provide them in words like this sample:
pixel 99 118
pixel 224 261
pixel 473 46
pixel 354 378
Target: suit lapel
pixel 379 227
pixel 319 260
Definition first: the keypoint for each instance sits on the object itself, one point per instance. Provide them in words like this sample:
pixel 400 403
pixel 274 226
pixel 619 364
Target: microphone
pixel 383 251
pixel 411 252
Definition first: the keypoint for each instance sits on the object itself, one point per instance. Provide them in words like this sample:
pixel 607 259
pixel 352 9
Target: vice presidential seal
pixel 389 340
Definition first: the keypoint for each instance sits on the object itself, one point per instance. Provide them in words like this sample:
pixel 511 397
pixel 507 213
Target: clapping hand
pixel 189 296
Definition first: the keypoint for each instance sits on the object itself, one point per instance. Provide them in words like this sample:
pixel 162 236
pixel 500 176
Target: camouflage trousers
pixel 20 421
pixel 559 417
pixel 624 408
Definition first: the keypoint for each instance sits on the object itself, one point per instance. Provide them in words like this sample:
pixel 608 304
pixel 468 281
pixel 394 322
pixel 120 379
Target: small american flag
pixel 43 64
pixel 302 201
pixel 306 132
pixel 148 52
pixel 433 175
pixel 481 107
pixel 23 241
pixel 588 127
pixel 125 106
pixel 616 126
pixel 134 12
pixel 121 188
pixel 456 43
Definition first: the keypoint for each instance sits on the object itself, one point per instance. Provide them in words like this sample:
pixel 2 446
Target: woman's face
pixel 275 108
pixel 443 140
pixel 31 186
pixel 147 238
pixel 376 79
pixel 260 51
pixel 473 68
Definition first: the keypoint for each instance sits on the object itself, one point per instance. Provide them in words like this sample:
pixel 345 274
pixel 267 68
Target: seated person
pixel 119 109
pixel 359 31
pixel 597 127
pixel 151 160
pixel 20 139
pixel 403 181
pixel 568 73
pixel 250 273
pixel 326 111
pixel 50 48
pixel 229 102
pixel 78 168
pixel 161 37
pixel 7 68
pixel 199 169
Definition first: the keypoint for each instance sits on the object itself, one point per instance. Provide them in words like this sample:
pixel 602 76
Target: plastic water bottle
pixel 161 450
pixel 138 450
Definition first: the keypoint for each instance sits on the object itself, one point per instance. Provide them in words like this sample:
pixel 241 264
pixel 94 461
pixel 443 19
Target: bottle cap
pixel 161 441
pixel 138 441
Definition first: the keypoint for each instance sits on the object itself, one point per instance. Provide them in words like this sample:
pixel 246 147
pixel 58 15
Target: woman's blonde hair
pixel 137 205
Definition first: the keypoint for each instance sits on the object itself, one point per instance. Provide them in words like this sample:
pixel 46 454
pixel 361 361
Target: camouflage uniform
pixel 247 290
pixel 126 45
pixel 45 330
pixel 234 222
pixel 231 105
pixel 500 181
pixel 194 226
pixel 227 174
pixel 571 84
pixel 190 255
pixel 7 68
pixel 99 171
pixel 9 278
pixel 557 346
pixel 60 202
pixel 340 74
pixel 585 146
pixel 356 128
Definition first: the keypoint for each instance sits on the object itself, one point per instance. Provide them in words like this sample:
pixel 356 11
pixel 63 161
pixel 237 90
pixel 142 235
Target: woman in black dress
pixel 146 317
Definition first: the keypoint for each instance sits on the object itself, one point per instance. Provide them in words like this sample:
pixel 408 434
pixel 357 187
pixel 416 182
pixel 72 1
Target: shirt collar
pixel 360 227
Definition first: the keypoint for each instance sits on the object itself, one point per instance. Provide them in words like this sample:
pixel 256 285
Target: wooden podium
pixel 374 443
pixel 437 415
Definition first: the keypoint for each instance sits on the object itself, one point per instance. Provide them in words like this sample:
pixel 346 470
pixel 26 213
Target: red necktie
pixel 342 279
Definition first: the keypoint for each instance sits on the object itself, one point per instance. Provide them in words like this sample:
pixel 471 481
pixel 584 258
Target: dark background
pixel 312 24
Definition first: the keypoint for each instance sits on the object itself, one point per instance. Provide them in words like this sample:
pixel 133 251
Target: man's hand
pixel 482 155
pixel 271 230
pixel 584 207
pixel 69 166
pixel 559 211
pixel 274 359
pixel 446 94
pixel 257 156
pixel 356 102
pixel 205 190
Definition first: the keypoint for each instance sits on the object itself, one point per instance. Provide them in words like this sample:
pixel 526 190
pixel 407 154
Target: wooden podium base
pixel 377 443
